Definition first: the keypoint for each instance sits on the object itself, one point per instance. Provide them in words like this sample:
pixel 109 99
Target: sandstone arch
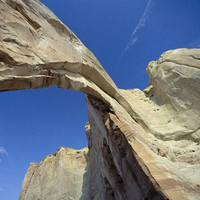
pixel 37 50
pixel 30 60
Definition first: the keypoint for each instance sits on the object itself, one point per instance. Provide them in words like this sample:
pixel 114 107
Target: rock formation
pixel 65 169
pixel 142 144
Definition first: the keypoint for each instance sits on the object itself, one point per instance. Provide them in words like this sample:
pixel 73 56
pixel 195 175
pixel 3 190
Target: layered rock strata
pixel 142 144
pixel 57 176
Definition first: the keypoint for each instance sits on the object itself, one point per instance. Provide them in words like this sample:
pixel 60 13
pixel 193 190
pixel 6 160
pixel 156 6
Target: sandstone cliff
pixel 58 176
pixel 142 144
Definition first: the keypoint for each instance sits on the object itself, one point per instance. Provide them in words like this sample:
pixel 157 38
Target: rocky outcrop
pixel 168 111
pixel 142 144
pixel 176 81
pixel 57 176
pixel 128 154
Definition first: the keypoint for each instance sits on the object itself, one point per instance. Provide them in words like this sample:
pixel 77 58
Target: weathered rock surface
pixel 168 110
pixel 65 169
pixel 176 81
pixel 142 144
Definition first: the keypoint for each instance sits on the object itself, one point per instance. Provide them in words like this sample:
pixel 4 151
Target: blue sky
pixel 124 36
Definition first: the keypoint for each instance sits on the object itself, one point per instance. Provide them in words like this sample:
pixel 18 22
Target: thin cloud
pixel 133 38
pixel 1 190
pixel 3 151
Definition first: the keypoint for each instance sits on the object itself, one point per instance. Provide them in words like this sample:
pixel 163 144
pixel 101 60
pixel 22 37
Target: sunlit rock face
pixel 57 176
pixel 168 111
pixel 142 144
pixel 175 78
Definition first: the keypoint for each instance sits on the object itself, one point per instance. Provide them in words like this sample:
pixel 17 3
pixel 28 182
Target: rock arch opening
pixel 60 111
pixel 34 124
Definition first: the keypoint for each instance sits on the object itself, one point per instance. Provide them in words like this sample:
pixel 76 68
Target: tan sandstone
pixel 142 144
pixel 65 169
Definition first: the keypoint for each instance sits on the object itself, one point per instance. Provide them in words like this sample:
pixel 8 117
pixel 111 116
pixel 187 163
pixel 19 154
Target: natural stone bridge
pixel 130 147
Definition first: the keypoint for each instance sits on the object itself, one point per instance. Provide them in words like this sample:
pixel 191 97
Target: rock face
pixel 65 169
pixel 176 81
pixel 142 144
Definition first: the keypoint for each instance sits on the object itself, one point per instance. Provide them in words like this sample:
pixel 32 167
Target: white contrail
pixel 133 38
pixel 3 151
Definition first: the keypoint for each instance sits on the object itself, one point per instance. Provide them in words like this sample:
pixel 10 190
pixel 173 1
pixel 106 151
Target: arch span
pixel 38 50
pixel 47 55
